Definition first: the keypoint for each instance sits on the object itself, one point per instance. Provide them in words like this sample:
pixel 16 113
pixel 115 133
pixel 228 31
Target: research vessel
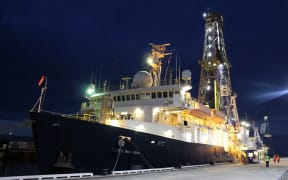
pixel 149 120
pixel 147 123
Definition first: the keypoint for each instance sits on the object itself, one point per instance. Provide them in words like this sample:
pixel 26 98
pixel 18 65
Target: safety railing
pixel 142 171
pixel 48 176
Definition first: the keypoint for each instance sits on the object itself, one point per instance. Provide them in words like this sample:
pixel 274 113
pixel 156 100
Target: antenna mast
pixel 155 61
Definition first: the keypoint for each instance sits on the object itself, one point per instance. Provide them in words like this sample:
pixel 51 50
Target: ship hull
pixel 70 145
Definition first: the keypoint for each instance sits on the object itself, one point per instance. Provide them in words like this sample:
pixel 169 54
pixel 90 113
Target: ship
pixel 148 121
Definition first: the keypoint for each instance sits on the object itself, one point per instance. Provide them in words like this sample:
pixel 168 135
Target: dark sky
pixel 67 40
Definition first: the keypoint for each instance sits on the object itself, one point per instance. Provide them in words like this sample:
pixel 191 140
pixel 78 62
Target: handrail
pixel 129 86
pixel 73 116
pixel 48 176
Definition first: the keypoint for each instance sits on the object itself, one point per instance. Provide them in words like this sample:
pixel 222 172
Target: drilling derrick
pixel 215 85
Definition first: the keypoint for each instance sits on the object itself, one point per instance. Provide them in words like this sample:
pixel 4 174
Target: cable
pixel 143 157
pixel 121 143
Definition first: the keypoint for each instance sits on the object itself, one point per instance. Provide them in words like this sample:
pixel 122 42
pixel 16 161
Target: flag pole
pixel 40 100
pixel 43 89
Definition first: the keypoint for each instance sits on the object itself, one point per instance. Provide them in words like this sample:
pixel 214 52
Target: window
pixel 118 98
pixel 159 94
pixel 170 94
pixel 123 98
pixel 133 97
pixel 137 97
pixel 114 98
pixel 142 96
pixel 165 94
pixel 128 97
pixel 148 96
pixel 153 95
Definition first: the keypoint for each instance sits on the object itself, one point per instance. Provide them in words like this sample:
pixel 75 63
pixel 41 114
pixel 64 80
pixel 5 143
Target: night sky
pixel 68 40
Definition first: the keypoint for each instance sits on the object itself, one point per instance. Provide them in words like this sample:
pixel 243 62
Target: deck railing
pixel 80 116
pixel 123 85
pixel 49 176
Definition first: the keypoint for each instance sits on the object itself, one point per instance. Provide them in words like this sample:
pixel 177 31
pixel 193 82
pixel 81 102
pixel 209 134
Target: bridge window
pixel 133 97
pixel 153 95
pixel 170 94
pixel 148 95
pixel 159 94
pixel 165 94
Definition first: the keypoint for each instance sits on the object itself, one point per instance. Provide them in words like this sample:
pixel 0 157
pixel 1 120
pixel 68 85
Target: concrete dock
pixel 235 171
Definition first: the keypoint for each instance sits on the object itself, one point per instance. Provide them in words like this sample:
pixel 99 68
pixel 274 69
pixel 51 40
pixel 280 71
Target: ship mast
pixel 155 61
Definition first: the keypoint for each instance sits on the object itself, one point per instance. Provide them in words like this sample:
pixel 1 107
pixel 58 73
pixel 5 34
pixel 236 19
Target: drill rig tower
pixel 215 85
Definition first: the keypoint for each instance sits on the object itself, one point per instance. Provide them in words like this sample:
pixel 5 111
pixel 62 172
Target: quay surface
pixel 236 171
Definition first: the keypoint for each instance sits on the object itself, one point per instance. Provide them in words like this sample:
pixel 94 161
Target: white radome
pixel 186 74
pixel 142 79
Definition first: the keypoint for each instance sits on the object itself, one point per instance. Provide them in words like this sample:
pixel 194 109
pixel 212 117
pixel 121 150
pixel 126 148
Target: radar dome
pixel 142 79
pixel 186 74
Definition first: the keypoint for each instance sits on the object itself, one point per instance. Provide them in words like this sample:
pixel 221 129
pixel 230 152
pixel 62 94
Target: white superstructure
pixel 164 109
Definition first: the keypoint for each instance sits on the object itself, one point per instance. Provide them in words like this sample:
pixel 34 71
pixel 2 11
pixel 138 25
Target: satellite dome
pixel 142 79
pixel 186 74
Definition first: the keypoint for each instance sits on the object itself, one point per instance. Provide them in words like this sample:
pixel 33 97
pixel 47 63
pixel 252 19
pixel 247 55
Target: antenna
pixel 179 71
pixel 167 69
pixel 100 73
pixel 176 74
pixel 109 85
pixel 126 80
pixel 91 80
pixel 155 61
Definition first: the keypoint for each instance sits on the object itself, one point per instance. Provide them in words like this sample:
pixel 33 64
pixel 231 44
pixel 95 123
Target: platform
pixel 235 171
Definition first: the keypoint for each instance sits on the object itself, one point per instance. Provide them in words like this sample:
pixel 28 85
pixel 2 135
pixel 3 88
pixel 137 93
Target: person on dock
pixel 278 158
pixel 274 158
pixel 267 159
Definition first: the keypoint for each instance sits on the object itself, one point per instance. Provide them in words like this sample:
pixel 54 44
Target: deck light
pixel 204 14
pixel 208 88
pixel 91 89
pixel 149 60
pixel 140 127
pixel 139 111
pixel 245 124
pixel 168 133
